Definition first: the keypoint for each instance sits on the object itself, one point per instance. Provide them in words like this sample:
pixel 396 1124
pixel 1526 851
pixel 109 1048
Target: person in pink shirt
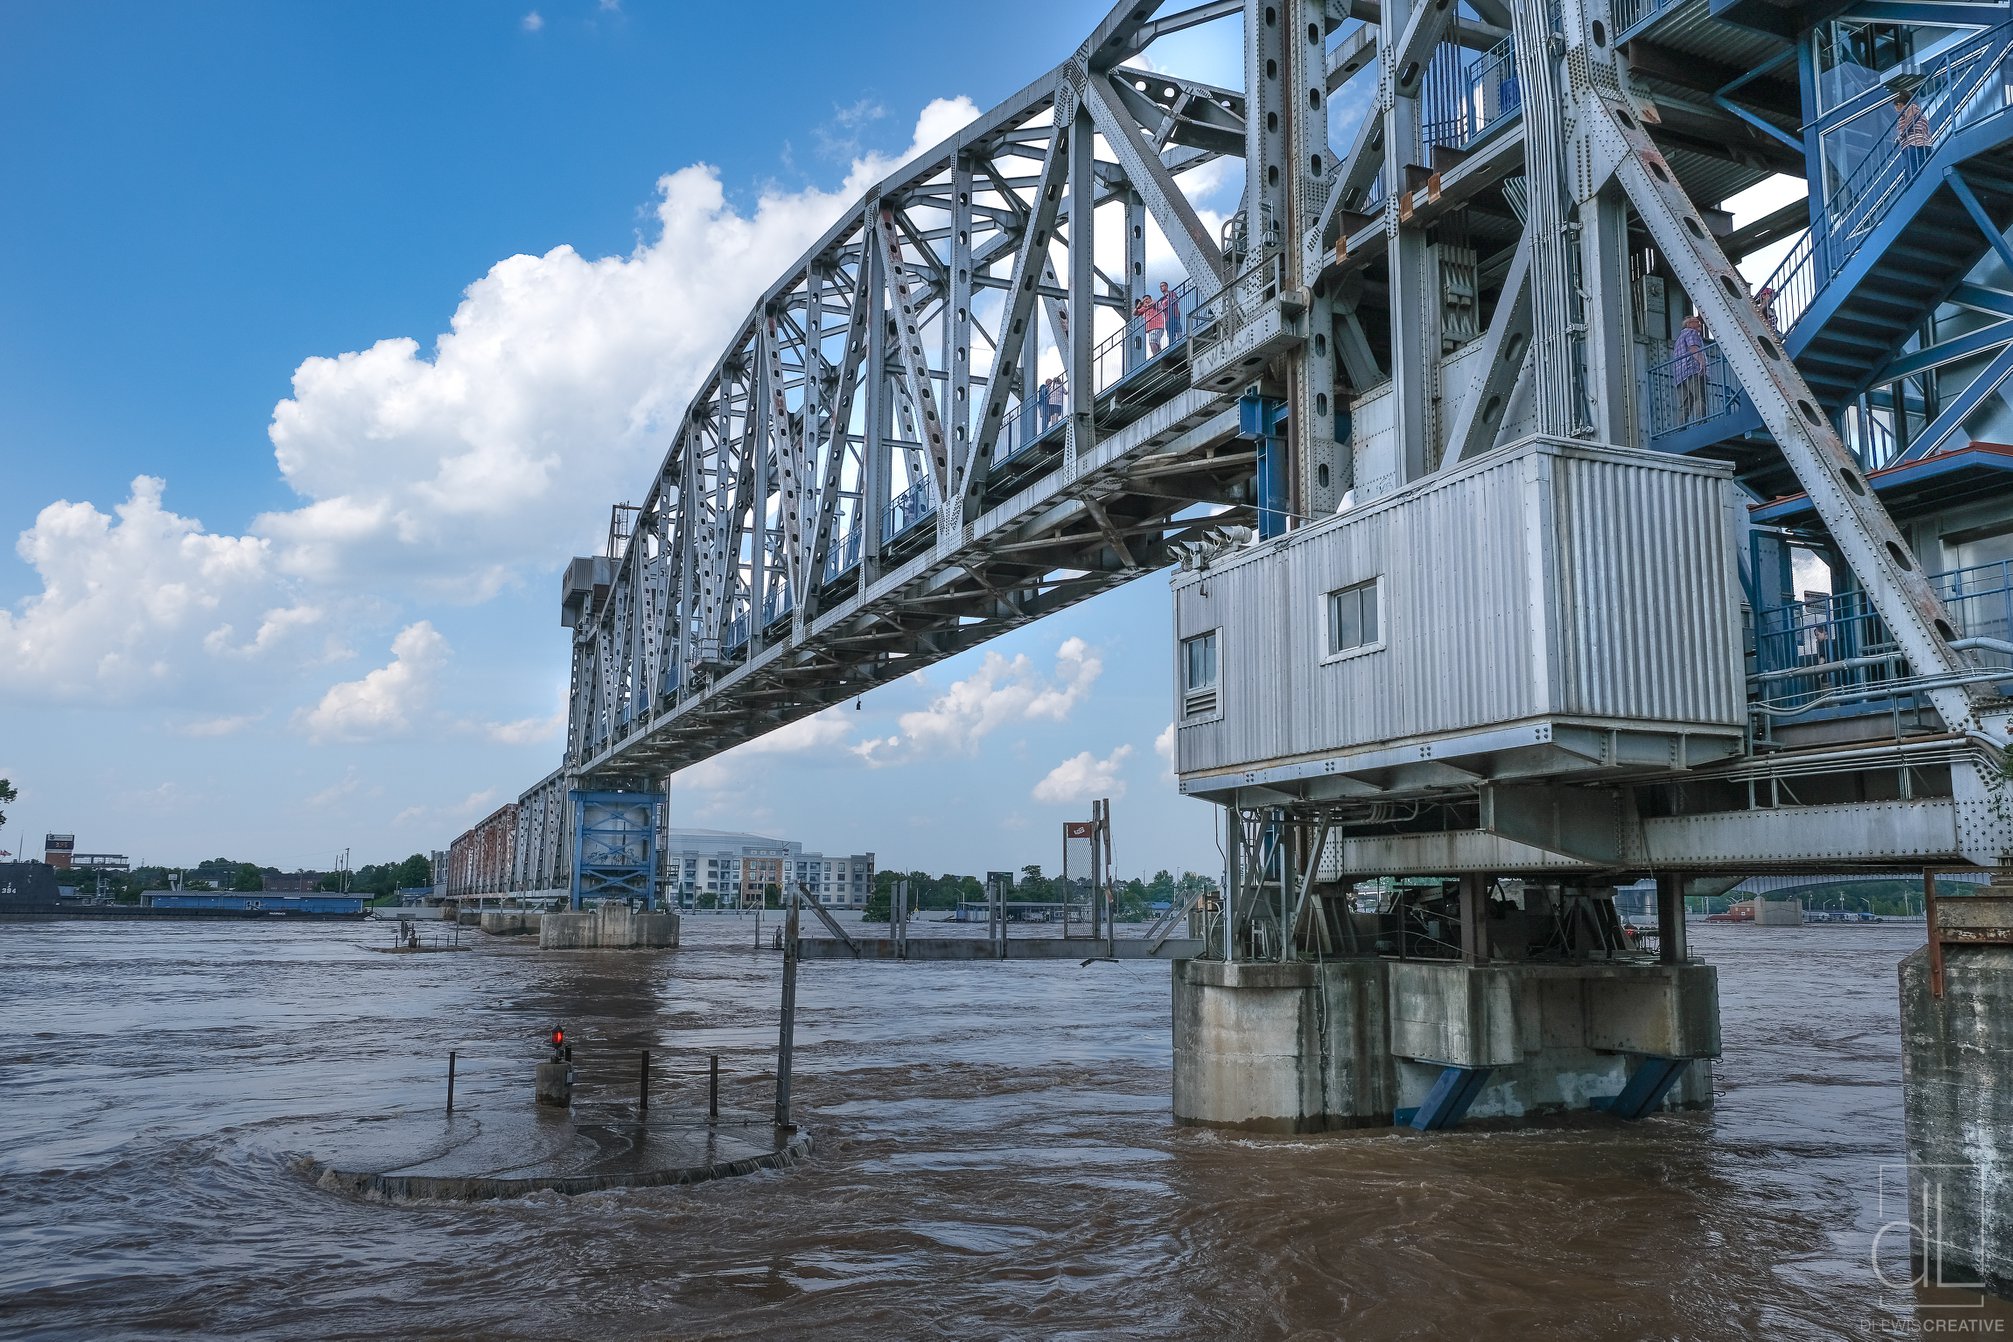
pixel 1156 324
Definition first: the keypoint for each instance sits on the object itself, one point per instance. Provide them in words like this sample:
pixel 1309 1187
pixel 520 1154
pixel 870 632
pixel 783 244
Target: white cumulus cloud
pixel 528 731
pixel 459 814
pixel 550 395
pixel 228 724
pixel 385 701
pixel 1002 691
pixel 1083 777
pixel 438 470
pixel 136 603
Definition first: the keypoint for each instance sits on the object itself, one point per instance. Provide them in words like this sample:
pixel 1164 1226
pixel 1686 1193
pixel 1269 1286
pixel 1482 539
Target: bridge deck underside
pixel 1107 522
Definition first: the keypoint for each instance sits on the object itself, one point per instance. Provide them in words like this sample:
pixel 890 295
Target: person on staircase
pixel 1912 133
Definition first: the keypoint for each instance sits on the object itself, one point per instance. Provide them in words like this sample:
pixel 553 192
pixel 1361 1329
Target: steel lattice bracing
pixel 868 479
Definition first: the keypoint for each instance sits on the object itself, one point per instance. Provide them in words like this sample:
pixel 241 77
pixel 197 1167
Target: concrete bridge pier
pixel 1957 1091
pixel 1301 1046
pixel 608 927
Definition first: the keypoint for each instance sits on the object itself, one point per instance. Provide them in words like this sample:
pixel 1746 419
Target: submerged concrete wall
pixel 1280 1047
pixel 1303 1047
pixel 1957 1097
pixel 609 927
pixel 977 948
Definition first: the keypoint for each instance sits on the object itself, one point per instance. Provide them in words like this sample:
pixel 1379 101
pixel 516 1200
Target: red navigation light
pixel 558 1036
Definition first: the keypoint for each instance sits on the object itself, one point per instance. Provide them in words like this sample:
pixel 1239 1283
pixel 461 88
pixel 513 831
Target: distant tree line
pixel 378 880
pixel 1888 897
pixel 1135 897
pixel 381 879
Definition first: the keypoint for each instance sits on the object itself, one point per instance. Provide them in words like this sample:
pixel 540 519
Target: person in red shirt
pixel 1156 324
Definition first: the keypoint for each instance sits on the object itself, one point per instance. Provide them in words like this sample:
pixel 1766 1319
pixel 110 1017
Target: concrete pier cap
pixel 608 927
pixel 1303 1046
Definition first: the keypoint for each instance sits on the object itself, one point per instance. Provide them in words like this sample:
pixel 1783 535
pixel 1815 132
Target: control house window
pixel 1198 675
pixel 1352 619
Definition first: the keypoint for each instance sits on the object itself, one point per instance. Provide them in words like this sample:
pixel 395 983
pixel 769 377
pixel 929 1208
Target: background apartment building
pixel 735 868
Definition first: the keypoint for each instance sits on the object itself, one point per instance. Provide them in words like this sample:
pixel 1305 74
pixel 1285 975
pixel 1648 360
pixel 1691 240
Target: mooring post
pixel 713 1091
pixel 450 1081
pixel 643 1084
pixel 787 1031
pixel 898 915
pixel 1110 885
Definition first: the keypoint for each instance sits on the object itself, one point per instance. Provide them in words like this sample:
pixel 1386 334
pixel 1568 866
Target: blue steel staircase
pixel 1897 240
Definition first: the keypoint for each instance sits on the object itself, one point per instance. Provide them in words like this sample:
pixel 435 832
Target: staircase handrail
pixel 1794 280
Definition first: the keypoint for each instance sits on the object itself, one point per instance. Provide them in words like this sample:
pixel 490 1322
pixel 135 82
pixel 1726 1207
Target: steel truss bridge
pixel 882 468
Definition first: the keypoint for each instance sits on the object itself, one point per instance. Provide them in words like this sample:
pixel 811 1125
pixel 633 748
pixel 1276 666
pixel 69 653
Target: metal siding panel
pixel 1629 599
pixel 1646 581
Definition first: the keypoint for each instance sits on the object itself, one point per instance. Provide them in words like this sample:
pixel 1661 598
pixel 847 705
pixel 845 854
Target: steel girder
pixel 861 484
pixel 854 492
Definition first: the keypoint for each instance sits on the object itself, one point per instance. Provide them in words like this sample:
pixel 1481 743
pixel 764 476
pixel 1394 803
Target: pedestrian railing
pixel 1835 652
pixel 909 508
pixel 1468 93
pixel 1869 434
pixel 777 607
pixel 1961 88
pixel 1630 15
pixel 1132 349
pixel 1242 297
pixel 1677 402
pixel 843 554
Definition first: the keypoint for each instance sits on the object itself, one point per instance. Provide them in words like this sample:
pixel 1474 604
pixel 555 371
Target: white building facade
pixel 724 869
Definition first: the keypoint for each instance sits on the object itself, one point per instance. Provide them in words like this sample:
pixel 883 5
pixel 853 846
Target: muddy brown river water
pixel 994 1158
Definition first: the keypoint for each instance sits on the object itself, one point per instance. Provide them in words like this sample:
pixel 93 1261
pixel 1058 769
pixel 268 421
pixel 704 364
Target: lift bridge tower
pixel 1537 529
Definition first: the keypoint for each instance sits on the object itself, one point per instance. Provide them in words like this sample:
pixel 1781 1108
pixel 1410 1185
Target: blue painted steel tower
pixel 615 853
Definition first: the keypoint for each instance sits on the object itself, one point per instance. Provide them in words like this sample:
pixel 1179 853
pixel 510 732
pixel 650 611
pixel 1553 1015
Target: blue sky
pixel 339 628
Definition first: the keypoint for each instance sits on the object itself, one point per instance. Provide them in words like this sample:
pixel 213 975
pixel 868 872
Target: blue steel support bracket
pixel 1258 418
pixel 1968 198
pixel 1647 1085
pixel 1721 97
pixel 1447 1102
pixel 1958 408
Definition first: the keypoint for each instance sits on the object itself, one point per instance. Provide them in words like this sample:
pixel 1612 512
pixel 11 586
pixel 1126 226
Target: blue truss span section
pixel 615 850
